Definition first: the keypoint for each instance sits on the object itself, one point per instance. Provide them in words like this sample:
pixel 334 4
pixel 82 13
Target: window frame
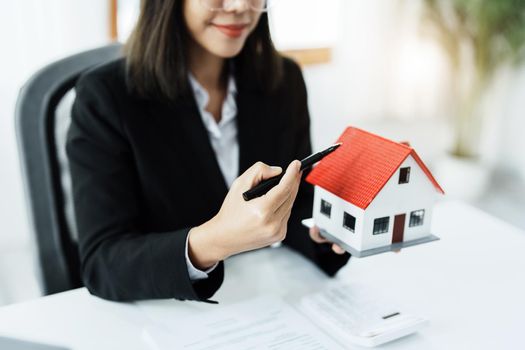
pixel 345 215
pixel 406 178
pixel 385 224
pixel 329 214
pixel 411 220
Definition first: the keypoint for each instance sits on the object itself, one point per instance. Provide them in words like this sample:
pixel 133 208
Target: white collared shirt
pixel 223 135
pixel 223 138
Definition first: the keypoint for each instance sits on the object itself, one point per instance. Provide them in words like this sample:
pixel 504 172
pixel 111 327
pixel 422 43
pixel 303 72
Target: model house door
pixel 399 228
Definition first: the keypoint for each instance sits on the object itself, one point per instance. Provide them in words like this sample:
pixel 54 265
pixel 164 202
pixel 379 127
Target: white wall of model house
pixel 334 223
pixel 393 199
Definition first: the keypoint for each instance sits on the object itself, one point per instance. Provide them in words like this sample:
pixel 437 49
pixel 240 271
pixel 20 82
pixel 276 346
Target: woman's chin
pixel 227 51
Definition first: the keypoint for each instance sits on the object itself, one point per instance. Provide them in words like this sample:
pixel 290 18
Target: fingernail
pixel 276 168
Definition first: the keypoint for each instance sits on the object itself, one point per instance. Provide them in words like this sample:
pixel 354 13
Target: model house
pixel 373 195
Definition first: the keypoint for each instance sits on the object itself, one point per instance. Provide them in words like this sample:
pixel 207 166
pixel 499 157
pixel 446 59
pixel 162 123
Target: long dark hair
pixel 156 60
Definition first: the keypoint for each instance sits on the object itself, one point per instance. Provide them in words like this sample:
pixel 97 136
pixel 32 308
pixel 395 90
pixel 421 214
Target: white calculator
pixel 352 315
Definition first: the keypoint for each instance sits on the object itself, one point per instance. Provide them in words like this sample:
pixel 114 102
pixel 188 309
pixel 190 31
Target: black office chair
pixel 42 119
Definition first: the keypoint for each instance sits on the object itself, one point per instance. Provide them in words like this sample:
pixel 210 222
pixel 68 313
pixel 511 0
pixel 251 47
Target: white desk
pixel 470 285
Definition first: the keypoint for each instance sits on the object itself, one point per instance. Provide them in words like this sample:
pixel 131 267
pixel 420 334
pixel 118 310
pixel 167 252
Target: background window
pixel 404 175
pixel 349 222
pixel 326 208
pixel 381 225
pixel 416 218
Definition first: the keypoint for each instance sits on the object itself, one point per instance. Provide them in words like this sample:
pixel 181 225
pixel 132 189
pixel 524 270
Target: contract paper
pixel 261 323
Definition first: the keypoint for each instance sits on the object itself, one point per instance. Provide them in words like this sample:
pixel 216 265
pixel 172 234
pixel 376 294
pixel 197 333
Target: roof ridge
pixel 426 170
pixel 380 137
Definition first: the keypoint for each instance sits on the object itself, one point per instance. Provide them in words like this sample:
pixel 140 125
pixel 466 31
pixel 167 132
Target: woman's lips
pixel 231 30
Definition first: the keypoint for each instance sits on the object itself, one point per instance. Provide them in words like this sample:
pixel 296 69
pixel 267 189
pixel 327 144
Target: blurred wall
pixel 33 34
pixel 512 141
pixel 384 77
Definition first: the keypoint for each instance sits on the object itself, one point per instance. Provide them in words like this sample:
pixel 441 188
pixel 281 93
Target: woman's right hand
pixel 246 225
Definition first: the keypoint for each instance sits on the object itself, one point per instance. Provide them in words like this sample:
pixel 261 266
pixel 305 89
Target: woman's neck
pixel 206 67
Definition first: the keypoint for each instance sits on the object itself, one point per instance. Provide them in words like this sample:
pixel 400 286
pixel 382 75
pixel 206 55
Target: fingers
pixel 285 189
pixel 315 235
pixel 337 249
pixel 285 211
pixel 286 206
pixel 257 173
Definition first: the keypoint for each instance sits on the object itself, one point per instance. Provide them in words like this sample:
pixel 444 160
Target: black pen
pixel 266 185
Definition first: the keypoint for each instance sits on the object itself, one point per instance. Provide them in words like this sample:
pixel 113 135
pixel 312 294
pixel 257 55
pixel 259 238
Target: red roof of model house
pixel 359 169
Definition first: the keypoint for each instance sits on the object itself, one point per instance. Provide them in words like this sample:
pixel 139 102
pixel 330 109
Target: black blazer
pixel 144 173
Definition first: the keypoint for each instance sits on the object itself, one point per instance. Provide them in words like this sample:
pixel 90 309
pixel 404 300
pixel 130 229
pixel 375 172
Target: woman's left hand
pixel 316 237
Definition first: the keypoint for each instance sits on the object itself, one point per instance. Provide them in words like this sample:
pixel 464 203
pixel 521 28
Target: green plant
pixel 480 35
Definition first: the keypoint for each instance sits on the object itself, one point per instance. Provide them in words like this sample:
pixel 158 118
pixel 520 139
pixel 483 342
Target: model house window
pixel 326 208
pixel 416 218
pixel 404 175
pixel 381 225
pixel 349 222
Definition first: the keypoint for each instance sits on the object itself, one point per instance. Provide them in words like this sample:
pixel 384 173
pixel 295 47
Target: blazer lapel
pixel 252 113
pixel 186 115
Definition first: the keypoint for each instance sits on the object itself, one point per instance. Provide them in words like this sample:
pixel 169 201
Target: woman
pixel 159 137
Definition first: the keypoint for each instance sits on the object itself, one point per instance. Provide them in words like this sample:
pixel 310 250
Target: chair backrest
pixel 42 119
